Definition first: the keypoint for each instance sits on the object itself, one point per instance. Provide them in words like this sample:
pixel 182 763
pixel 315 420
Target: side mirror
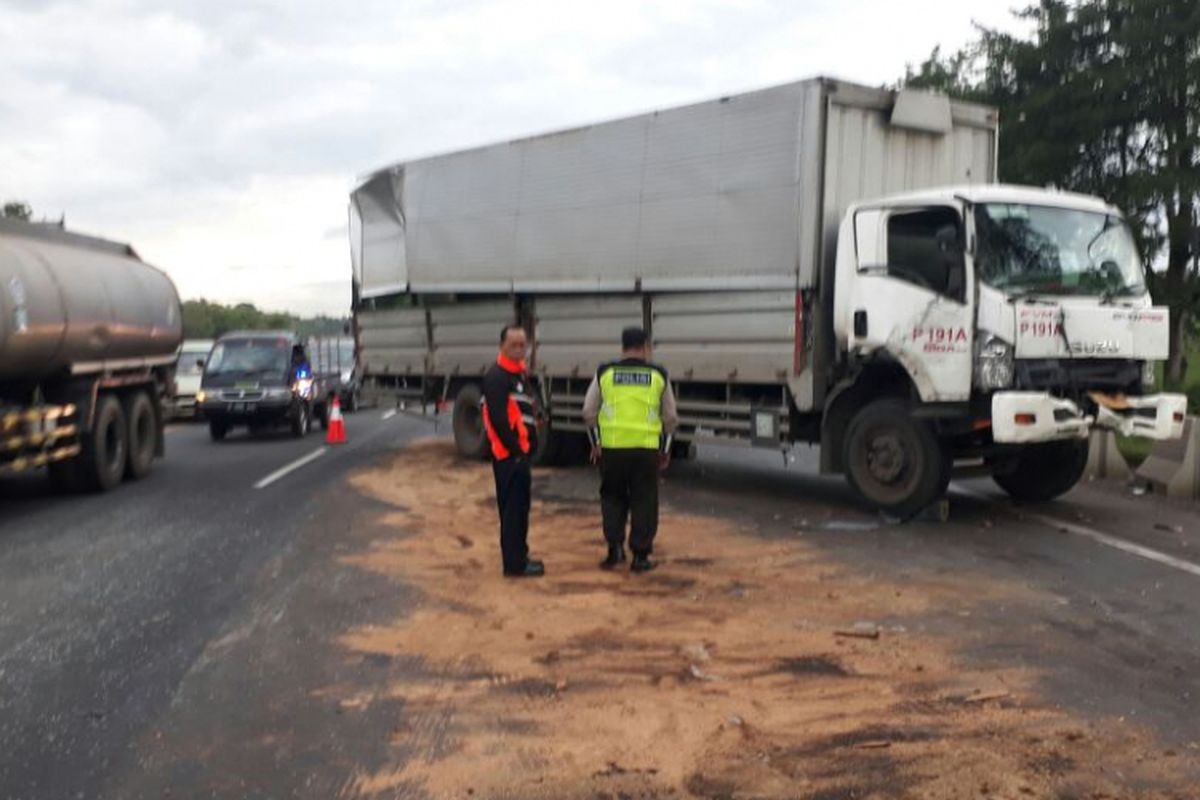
pixel 200 363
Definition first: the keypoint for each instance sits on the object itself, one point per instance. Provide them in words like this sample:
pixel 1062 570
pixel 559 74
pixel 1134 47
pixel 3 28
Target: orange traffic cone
pixel 336 434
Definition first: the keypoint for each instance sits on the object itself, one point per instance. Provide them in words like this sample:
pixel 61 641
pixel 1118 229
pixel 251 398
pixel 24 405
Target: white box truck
pixel 816 262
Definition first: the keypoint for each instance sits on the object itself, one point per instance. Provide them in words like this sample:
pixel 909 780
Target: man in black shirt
pixel 509 417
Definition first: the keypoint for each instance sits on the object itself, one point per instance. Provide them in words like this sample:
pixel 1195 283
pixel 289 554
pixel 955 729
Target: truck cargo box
pixel 742 192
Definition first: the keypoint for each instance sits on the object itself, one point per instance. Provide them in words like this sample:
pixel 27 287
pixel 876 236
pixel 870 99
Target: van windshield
pixel 257 357
pixel 187 361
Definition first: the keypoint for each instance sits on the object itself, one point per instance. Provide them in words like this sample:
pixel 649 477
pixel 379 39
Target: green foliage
pixel 207 320
pixel 15 209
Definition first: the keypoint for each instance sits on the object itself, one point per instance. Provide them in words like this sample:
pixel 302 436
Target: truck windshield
pixel 1028 249
pixel 250 357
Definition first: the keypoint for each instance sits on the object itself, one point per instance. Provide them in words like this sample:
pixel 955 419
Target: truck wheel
pixel 1044 471
pixel 301 420
pixel 549 445
pixel 469 435
pixel 217 429
pixel 573 448
pixel 893 461
pixel 683 451
pixel 142 431
pixel 103 460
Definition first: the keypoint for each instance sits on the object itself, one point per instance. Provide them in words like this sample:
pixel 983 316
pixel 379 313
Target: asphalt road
pixel 162 639
pixel 107 601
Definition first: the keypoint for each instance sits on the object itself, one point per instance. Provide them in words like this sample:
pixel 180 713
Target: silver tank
pixel 75 302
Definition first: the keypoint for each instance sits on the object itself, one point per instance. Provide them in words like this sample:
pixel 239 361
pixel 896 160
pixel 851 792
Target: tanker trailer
pixel 88 337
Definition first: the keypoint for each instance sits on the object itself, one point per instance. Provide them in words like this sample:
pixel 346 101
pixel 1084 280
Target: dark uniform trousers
pixel 629 491
pixel 513 485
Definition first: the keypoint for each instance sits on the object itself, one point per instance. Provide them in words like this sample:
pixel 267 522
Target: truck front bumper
pixel 1026 417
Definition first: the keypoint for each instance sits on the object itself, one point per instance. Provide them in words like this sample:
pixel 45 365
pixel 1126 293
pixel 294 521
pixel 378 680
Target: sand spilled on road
pixel 719 675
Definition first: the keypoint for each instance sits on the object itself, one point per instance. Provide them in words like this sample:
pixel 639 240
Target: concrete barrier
pixel 1173 467
pixel 1104 459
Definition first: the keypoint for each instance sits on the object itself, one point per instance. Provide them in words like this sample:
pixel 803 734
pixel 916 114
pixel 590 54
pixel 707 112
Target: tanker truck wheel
pixel 101 465
pixel 894 462
pixel 1043 472
pixel 143 434
pixel 469 435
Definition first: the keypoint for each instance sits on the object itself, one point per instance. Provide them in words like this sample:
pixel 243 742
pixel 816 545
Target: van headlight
pixel 993 363
pixel 201 396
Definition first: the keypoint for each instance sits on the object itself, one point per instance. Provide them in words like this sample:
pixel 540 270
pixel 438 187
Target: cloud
pixel 218 136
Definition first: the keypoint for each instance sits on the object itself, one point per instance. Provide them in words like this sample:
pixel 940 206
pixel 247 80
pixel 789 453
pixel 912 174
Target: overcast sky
pixel 221 138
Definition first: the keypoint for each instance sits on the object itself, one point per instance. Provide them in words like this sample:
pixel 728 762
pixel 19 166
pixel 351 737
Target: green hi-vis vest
pixel 629 416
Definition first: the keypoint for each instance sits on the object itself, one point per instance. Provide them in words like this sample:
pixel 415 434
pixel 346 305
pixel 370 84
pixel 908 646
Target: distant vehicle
pixel 259 379
pixel 188 370
pixel 336 371
pixel 88 337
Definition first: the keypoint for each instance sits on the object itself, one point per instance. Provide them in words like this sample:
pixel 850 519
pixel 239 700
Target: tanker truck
pixel 88 338
pixel 817 262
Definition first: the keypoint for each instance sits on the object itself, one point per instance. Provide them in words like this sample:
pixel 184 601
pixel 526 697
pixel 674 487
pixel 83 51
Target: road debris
pixel 879 744
pixel 986 697
pixel 647 665
pixel 860 630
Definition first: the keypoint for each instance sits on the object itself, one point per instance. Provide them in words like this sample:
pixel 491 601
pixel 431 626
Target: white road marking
pixel 290 468
pixel 389 414
pixel 1106 539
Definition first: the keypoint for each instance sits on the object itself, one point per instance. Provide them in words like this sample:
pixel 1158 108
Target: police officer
pixel 509 419
pixel 630 413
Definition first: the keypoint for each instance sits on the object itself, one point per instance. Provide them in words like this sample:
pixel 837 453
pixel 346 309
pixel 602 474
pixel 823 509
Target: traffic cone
pixel 336 434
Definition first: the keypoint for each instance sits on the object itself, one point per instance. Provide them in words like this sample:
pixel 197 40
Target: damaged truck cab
pixel 990 324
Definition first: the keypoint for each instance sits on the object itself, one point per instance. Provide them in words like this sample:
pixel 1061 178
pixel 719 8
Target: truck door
pixel 911 296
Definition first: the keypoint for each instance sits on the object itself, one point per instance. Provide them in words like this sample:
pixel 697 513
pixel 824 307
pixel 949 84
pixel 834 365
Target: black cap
pixel 633 338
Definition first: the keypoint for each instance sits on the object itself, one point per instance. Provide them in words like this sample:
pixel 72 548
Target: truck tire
pixel 142 434
pixel 469 435
pixel 217 429
pixel 683 451
pixel 549 446
pixel 301 420
pixel 895 463
pixel 573 448
pixel 1045 471
pixel 102 463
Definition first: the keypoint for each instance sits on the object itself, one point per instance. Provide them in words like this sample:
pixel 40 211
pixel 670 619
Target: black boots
pixel 532 569
pixel 616 555
pixel 642 563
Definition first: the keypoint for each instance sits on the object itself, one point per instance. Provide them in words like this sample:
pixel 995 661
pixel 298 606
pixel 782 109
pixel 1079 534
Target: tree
pixel 207 320
pixel 15 209
pixel 1104 99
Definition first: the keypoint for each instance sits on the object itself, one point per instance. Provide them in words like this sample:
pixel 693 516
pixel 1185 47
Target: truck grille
pixel 1067 376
